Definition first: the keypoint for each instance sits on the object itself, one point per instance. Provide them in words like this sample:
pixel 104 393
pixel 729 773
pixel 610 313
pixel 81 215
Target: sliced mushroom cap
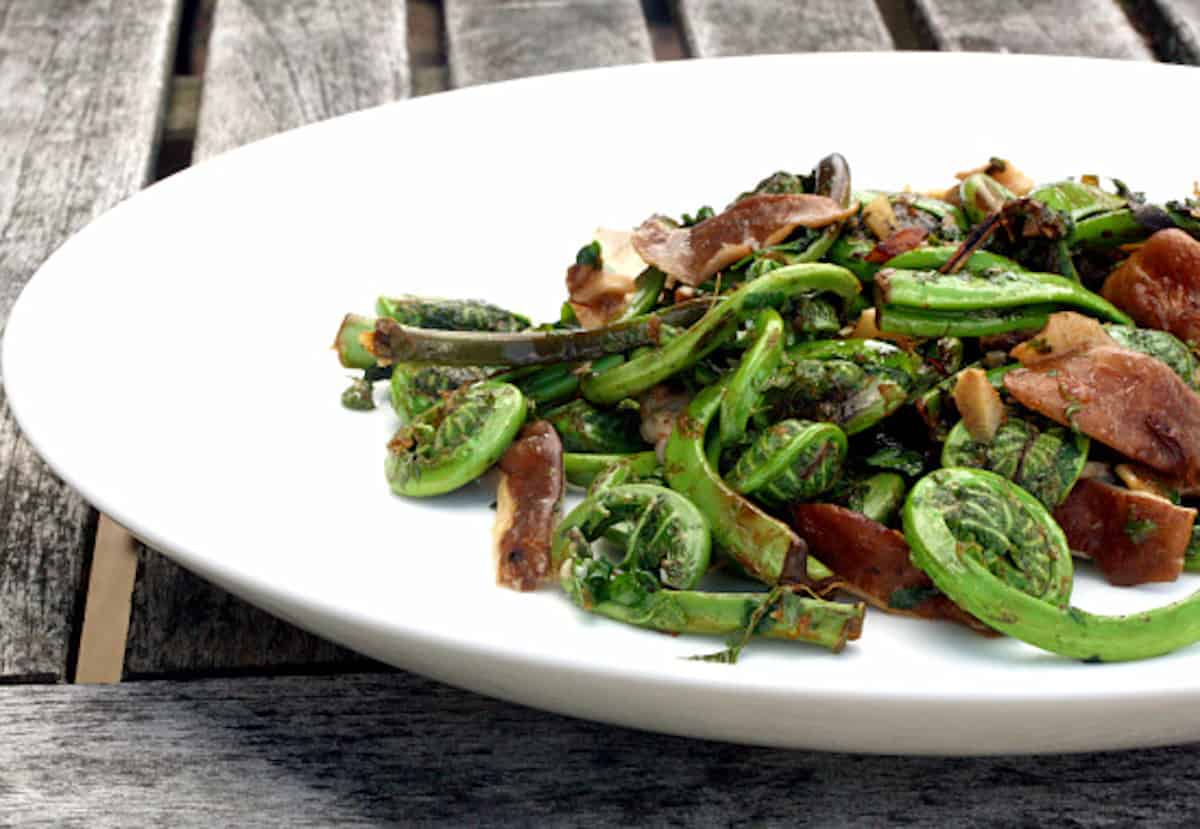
pixel 1004 172
pixel 693 254
pixel 528 506
pixel 1159 285
pixel 873 560
pixel 979 404
pixel 660 407
pixel 1134 537
pixel 1064 332
pixel 901 241
pixel 598 293
pixel 1124 399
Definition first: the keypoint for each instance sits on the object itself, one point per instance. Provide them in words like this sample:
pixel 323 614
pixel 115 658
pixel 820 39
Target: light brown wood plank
pixel 715 28
pixel 495 40
pixel 1095 28
pixel 271 65
pixel 1173 25
pixel 106 612
pixel 82 93
pixel 394 749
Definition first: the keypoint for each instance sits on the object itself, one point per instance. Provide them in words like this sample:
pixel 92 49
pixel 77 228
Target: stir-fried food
pixel 928 404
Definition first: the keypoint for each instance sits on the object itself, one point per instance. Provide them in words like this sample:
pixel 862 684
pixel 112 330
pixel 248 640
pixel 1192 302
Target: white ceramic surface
pixel 201 405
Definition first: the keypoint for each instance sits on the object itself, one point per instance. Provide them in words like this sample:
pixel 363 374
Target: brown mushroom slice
pixel 1159 284
pixel 659 408
pixel 599 293
pixel 979 404
pixel 1005 173
pixel 1134 537
pixel 873 560
pixel 1124 399
pixel 528 506
pixel 693 254
pixel 597 296
pixel 1064 332
pixel 902 241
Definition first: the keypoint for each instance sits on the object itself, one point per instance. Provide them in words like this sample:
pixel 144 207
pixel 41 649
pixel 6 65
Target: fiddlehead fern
pixel 792 460
pixel 415 388
pixel 449 314
pixel 996 552
pixel 853 383
pixel 753 374
pixel 764 547
pixel 455 442
pixel 994 524
pixel 669 544
pixel 1042 458
pixel 669 537
pixel 586 428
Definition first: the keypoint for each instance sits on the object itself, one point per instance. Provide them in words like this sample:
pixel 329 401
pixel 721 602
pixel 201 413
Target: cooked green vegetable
pixel 736 391
pixel 449 314
pixel 717 327
pixel 586 428
pixel 1042 458
pixel 993 549
pixel 966 304
pixel 853 383
pixel 793 460
pixel 452 444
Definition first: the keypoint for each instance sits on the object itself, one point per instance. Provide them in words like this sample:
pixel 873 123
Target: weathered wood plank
pixel 271 65
pixel 714 28
pixel 1095 28
pixel 82 90
pixel 1173 25
pixel 278 64
pixel 495 40
pixel 390 749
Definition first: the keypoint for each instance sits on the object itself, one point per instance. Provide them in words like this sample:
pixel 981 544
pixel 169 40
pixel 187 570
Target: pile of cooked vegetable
pixel 928 403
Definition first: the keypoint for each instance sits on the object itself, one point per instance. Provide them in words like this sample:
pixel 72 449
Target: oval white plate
pixel 201 405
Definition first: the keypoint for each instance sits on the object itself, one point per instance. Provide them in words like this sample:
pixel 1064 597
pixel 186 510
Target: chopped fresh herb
pixel 730 655
pixel 1139 529
pixel 897 459
pixel 705 212
pixel 589 255
pixel 359 396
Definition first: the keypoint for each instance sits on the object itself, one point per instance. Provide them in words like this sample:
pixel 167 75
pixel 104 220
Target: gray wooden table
pixel 132 692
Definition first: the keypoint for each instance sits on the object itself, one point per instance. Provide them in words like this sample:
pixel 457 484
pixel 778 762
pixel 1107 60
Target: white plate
pixel 172 362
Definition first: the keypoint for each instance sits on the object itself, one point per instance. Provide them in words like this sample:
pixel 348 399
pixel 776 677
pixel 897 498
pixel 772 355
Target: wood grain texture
pixel 714 28
pixel 82 93
pixel 395 749
pixel 274 65
pixel 1173 26
pixel 1095 28
pixel 271 65
pixel 495 40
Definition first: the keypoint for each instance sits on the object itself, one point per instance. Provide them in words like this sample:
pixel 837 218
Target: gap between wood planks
pixel 101 655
